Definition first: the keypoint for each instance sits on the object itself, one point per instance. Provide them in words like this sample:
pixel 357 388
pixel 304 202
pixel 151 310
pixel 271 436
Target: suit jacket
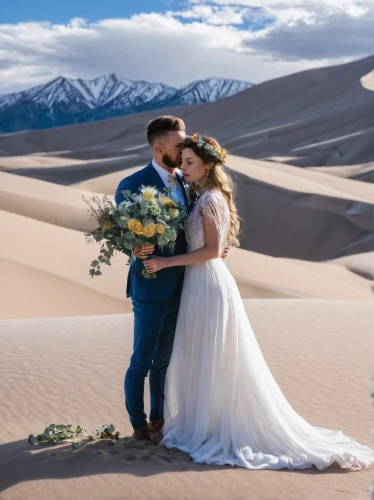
pixel 168 281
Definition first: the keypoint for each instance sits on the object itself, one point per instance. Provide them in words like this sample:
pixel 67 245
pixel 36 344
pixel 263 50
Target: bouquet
pixel 148 216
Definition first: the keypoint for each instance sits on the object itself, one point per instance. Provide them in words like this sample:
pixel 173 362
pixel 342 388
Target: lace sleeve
pixel 214 206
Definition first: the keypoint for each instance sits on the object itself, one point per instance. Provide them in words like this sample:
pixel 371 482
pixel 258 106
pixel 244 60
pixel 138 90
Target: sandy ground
pixel 70 370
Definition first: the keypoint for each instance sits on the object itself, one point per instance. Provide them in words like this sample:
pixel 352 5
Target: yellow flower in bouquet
pixel 149 194
pixel 160 228
pixel 149 230
pixel 174 212
pixel 166 201
pixel 135 226
pixel 107 225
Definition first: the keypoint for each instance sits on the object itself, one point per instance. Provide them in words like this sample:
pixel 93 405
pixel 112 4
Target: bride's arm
pixel 207 252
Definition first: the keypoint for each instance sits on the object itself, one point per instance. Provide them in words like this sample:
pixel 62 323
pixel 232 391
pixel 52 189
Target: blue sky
pixel 13 11
pixel 16 11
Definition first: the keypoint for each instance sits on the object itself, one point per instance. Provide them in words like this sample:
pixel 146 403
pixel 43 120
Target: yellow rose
pixel 149 230
pixel 135 226
pixel 107 225
pixel 173 212
pixel 160 228
pixel 165 200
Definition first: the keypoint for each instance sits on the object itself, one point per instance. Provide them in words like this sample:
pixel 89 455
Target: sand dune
pixel 70 370
pixel 278 174
pixel 302 180
pixel 363 172
pixel 279 277
pixel 287 212
pixel 361 264
pixel 46 271
pixel 285 222
pixel 106 183
pixel 35 161
pixel 44 201
pixel 317 117
pixel 31 292
pixel 56 260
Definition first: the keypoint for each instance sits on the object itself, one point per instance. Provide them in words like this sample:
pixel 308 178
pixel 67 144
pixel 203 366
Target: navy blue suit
pixel 155 305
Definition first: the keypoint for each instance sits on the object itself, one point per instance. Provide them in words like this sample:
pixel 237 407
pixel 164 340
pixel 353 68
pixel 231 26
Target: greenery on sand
pixel 77 436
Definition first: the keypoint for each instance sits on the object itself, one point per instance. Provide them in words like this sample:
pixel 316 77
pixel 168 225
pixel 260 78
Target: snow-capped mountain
pixel 208 90
pixel 64 101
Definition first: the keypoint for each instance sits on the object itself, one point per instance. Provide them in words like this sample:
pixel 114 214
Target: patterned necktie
pixel 171 180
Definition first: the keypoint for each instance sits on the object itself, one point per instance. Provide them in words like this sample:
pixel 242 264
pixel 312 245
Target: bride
pixel 223 405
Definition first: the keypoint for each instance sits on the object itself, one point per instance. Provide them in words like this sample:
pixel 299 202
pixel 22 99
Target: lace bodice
pixel 213 204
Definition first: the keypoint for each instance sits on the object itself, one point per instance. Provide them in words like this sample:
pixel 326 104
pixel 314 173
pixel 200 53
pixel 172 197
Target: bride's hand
pixel 155 264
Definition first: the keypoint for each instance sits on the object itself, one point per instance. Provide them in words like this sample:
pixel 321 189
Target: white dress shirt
pixel 176 189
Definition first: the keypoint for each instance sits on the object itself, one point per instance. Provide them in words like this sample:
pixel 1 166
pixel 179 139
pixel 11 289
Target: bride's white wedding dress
pixel 223 405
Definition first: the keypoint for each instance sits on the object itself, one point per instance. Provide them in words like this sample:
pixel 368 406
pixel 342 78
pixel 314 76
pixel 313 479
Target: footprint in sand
pixel 130 451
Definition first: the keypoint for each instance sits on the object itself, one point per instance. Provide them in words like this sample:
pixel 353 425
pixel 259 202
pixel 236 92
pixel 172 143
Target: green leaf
pixel 129 235
pixel 98 273
pixel 94 263
pixel 98 236
pixel 122 223
pixel 107 262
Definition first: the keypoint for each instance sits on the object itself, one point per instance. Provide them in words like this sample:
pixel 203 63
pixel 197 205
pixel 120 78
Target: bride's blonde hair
pixel 218 179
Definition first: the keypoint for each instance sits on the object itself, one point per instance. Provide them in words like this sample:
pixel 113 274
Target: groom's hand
pixel 144 251
pixel 225 252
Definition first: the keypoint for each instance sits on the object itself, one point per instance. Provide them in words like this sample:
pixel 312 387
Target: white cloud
pixel 219 16
pixel 338 35
pixel 205 39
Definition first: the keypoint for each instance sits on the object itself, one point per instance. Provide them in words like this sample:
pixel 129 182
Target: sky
pixel 178 41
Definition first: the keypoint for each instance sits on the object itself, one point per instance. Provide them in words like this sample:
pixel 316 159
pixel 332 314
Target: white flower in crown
pixel 197 139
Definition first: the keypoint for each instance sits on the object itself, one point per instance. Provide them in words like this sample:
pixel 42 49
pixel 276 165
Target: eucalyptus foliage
pixel 60 433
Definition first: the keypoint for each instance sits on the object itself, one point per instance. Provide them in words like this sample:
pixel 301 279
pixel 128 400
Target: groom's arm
pixel 124 184
pixel 119 198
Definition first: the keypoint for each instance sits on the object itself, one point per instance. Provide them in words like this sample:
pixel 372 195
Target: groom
pixel 155 301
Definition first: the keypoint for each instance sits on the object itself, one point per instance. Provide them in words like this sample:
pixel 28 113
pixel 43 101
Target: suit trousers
pixel 154 330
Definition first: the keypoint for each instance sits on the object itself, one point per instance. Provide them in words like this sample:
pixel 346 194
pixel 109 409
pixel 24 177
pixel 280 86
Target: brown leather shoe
pixel 155 425
pixel 142 434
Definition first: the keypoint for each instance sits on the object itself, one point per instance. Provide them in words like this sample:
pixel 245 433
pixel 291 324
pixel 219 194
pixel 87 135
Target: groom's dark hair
pixel 162 125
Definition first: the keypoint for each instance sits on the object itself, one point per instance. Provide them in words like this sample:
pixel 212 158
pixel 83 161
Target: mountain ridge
pixel 67 101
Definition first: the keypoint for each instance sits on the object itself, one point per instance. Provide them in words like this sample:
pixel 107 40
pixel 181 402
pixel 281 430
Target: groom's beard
pixel 169 162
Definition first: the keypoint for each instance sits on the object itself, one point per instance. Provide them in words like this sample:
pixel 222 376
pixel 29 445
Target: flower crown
pixel 197 139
